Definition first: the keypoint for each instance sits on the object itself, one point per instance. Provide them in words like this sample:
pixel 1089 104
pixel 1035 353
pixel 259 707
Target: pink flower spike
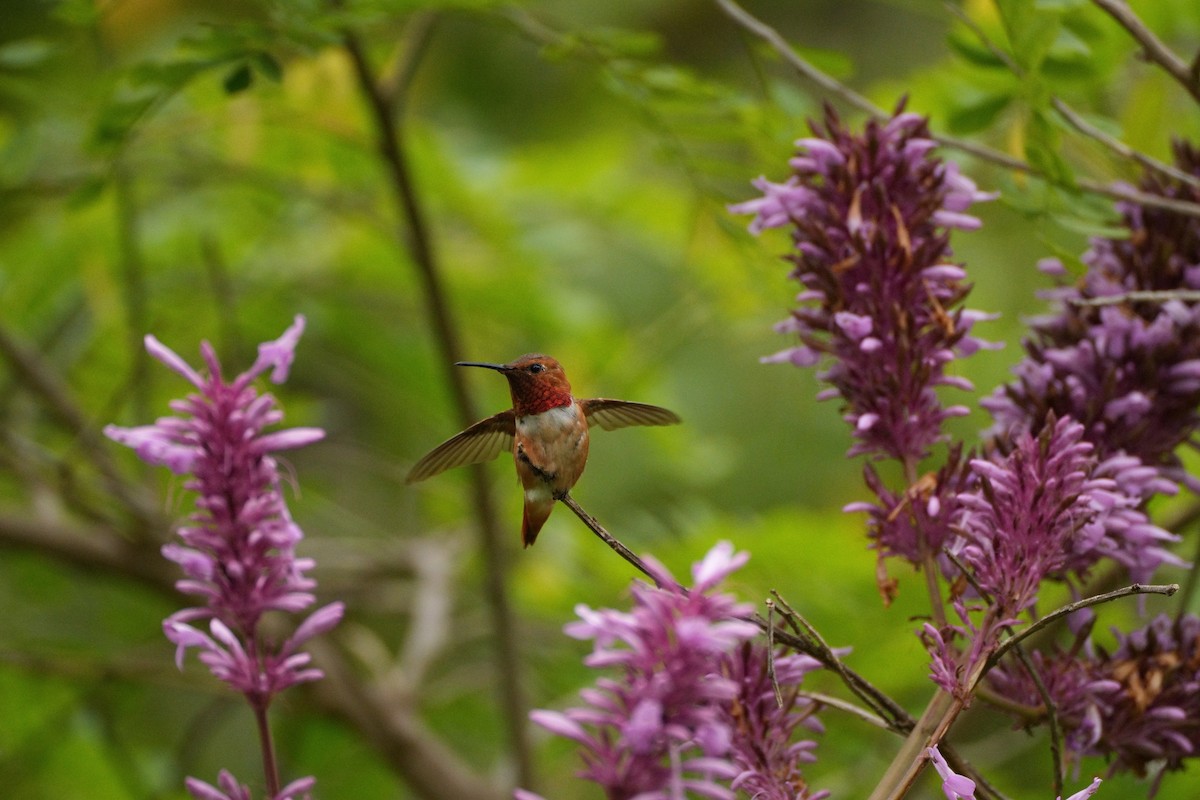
pixel 558 723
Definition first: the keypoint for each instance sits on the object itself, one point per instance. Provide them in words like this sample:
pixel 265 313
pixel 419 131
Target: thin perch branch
pixel 1056 760
pixel 612 541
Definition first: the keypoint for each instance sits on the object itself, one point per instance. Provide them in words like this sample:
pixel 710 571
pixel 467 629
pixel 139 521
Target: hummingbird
pixel 546 430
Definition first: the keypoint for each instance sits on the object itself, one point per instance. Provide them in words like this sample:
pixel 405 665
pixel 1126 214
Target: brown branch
pixel 620 549
pixel 1153 47
pixel 41 379
pixel 1140 296
pixel 413 233
pixel 1137 588
pixel 1056 760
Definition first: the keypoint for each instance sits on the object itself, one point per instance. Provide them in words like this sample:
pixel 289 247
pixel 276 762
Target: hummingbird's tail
pixel 536 514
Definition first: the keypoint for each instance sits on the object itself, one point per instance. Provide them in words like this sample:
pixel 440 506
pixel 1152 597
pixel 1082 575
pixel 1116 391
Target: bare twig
pixel 831 658
pixel 829 701
pixel 839 90
pixel 620 549
pixel 43 381
pixel 1154 48
pixel 1140 296
pixel 771 653
pixel 1051 718
pixel 414 235
pixel 826 82
pixel 1137 588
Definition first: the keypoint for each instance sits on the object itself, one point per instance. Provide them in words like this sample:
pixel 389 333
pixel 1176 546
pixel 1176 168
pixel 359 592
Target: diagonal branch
pixel 1087 602
pixel 41 379
pixel 413 232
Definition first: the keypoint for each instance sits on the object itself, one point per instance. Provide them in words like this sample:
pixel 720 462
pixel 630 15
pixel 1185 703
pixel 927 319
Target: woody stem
pixel 610 540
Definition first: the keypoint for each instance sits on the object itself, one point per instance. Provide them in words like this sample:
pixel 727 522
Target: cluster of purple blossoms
pixel 870 217
pixel 1044 510
pixel 1137 706
pixel 693 708
pixel 1121 356
pixel 238 549
pixel 1128 369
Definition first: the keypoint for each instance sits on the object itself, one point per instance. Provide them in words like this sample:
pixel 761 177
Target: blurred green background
pixel 206 170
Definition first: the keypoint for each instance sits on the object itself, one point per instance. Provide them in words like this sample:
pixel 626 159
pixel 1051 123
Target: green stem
pixel 267 744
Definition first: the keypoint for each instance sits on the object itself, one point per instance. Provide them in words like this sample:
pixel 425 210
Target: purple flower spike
pixel 1137 706
pixel 1127 371
pixel 1043 510
pixel 870 216
pixel 692 711
pixel 238 550
pixel 1149 719
pixel 1034 510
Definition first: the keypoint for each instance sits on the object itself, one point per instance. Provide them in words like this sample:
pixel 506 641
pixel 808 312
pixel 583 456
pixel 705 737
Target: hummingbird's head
pixel 536 382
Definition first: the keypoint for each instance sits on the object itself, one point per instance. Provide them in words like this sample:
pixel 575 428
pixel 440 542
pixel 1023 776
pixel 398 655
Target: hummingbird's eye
pixel 535 368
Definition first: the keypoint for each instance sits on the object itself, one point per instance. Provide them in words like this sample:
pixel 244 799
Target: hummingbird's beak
pixel 497 367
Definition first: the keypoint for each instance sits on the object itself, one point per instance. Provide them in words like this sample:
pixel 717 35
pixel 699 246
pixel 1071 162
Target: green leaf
pixel 1031 31
pixel 268 66
pixel 967 45
pixel 977 114
pixel 119 116
pixel 239 79
pixel 1043 149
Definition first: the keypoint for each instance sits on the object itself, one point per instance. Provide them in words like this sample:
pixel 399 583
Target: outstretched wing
pixel 481 442
pixel 613 414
